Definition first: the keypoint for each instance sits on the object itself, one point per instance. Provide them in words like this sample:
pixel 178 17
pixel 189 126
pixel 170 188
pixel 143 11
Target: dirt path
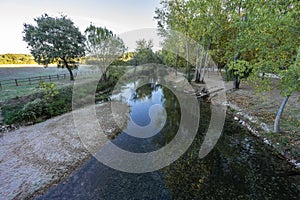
pixel 35 156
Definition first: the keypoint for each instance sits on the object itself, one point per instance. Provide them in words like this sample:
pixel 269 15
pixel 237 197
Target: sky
pixel 120 16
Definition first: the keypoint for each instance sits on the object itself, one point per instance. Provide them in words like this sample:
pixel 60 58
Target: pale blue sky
pixel 118 15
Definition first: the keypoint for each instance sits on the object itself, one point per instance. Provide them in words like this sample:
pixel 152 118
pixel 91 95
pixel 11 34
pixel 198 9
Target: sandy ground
pixel 36 156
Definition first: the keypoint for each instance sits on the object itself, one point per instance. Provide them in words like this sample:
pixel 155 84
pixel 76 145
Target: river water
pixel 239 166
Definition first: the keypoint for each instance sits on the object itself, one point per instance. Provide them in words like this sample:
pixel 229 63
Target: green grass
pixel 18 72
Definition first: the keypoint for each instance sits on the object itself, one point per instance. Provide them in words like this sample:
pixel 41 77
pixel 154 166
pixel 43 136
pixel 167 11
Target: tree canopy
pixel 102 47
pixel 144 53
pixel 256 39
pixel 55 39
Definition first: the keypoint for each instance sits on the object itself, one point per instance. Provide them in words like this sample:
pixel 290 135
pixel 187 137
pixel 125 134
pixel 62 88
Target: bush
pixel 39 109
pixel 49 89
pixel 11 114
pixel 61 103
pixel 38 106
pixel 33 110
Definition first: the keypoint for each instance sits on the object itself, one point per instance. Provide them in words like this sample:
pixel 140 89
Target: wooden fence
pixel 36 80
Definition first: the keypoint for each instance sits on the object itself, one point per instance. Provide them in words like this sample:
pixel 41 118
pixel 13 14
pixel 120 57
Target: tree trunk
pixel 279 114
pixel 188 61
pixel 71 73
pixel 204 68
pixel 226 73
pixel 236 77
pixel 69 69
pixel 197 79
pixel 236 82
pixel 176 61
pixel 105 76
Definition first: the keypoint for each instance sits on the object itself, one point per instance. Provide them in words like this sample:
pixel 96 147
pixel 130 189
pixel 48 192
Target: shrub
pixel 11 113
pixel 49 89
pixel 39 109
pixel 33 110
pixel 60 103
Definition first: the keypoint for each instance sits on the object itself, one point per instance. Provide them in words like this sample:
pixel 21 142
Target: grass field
pixel 23 71
pixel 8 72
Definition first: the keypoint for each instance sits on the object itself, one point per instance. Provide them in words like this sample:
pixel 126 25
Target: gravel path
pixel 34 157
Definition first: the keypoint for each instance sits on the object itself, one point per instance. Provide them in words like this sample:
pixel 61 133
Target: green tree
pixel 55 40
pixel 144 53
pixel 204 27
pixel 174 17
pixel 256 39
pixel 143 44
pixel 102 47
pixel 269 38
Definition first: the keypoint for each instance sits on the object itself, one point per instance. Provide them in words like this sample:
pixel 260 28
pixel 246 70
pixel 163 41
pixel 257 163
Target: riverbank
pixel 38 156
pixel 257 111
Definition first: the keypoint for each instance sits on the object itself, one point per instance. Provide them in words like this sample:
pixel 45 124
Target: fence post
pixel 64 76
pixel 0 86
pixel 16 80
pixel 50 78
pixel 57 77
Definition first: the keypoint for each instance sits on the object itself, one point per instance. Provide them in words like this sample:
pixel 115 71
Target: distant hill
pixel 16 59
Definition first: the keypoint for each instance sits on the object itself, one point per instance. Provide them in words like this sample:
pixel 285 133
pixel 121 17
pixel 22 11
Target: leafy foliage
pixel 49 89
pixel 144 53
pixel 252 38
pixel 103 47
pixel 32 110
pixel 241 68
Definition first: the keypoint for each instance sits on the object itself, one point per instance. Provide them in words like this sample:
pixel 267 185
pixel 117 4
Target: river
pixel 238 167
